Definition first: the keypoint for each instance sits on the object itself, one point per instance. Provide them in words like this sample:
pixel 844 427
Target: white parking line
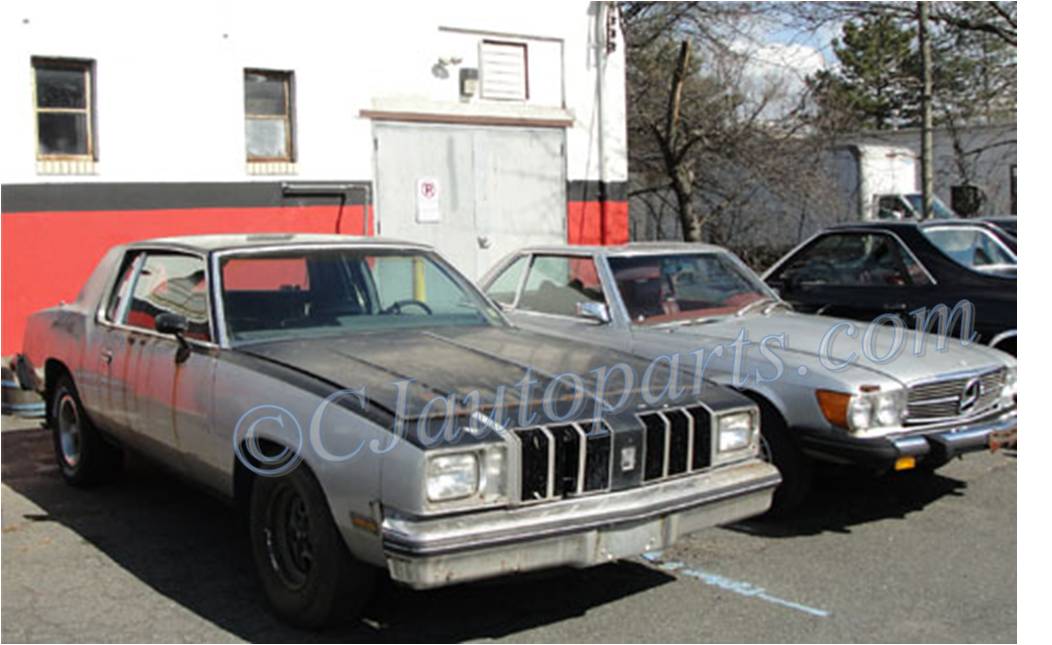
pixel 739 587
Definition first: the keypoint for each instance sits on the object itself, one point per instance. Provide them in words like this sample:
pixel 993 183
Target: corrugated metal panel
pixel 503 71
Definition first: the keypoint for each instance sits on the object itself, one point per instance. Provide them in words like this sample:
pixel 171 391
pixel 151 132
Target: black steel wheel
pixel 309 577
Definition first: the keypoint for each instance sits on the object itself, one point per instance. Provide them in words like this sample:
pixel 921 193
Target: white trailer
pixel 881 182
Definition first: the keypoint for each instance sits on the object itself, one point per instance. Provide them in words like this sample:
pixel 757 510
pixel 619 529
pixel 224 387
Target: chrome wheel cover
pixel 69 431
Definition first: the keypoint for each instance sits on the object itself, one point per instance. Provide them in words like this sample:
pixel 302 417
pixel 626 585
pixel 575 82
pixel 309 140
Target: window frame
pixel 87 67
pixel 501 270
pixel 977 228
pixel 120 323
pixel 287 78
pixel 569 256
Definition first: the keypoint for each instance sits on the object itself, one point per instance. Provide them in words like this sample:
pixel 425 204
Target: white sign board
pixel 427 194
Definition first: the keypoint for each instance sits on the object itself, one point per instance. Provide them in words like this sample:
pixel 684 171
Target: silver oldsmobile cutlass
pixel 829 389
pixel 370 409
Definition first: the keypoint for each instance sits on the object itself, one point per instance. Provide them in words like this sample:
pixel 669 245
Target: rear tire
pixel 777 447
pixel 309 577
pixel 84 457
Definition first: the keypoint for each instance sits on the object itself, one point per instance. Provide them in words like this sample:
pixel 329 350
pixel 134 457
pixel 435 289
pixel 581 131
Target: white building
pixel 477 127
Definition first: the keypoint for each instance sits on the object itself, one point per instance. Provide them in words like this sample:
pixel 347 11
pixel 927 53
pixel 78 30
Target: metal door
pixel 499 189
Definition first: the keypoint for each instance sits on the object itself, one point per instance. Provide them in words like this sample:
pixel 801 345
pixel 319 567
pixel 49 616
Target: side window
pixel 854 259
pixel 970 247
pixel 504 287
pixel 119 295
pixel 555 284
pixel 170 283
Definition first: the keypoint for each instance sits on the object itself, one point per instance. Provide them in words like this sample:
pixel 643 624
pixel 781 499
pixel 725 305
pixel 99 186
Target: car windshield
pixel 973 247
pixel 684 286
pixel 317 292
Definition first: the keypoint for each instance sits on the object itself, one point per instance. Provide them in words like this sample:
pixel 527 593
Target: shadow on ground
pixel 844 498
pixel 191 548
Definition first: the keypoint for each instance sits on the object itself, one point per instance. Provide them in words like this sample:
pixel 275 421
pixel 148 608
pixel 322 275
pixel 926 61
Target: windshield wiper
pixel 762 301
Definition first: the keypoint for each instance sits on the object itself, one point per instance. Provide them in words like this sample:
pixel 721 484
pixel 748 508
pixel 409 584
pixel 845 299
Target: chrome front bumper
pixel 940 446
pixel 931 445
pixel 578 532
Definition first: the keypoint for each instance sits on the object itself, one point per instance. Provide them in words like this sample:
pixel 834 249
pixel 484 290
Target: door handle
pixel 895 306
pixel 107 357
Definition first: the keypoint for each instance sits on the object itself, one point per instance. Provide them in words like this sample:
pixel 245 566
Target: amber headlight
pixel 475 476
pixel 865 412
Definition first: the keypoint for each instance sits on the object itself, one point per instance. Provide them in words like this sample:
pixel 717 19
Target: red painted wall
pixel 47 256
pixel 598 222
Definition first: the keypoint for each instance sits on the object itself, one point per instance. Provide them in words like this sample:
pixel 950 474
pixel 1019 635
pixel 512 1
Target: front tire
pixel 777 447
pixel 309 577
pixel 84 457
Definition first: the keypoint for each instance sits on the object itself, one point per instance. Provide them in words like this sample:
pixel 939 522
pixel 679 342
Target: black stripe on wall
pixel 22 198
pixel 26 198
pixel 588 190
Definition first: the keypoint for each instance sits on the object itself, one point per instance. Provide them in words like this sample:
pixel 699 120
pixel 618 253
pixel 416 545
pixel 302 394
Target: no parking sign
pixel 427 195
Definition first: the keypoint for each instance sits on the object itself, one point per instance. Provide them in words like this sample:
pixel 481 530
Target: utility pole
pixel 927 181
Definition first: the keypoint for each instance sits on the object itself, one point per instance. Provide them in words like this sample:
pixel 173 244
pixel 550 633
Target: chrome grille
pixel 941 400
pixel 577 458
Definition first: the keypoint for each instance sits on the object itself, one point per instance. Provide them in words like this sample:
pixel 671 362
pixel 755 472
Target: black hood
pixel 401 371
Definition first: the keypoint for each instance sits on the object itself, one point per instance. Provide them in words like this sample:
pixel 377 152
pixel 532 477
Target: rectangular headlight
pixel 736 431
pixel 453 476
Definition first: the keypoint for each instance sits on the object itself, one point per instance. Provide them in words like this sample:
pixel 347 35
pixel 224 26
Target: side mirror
pixel 169 323
pixel 176 325
pixel 593 310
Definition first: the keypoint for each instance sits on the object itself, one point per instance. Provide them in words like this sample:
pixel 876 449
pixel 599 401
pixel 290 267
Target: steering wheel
pixel 396 307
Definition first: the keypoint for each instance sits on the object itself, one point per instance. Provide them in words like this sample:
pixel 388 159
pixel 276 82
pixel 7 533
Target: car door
pixel 541 291
pixel 169 393
pixel 852 274
pixel 107 394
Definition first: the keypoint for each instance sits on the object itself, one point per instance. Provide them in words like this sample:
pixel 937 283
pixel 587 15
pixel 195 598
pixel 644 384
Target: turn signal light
pixel 905 463
pixel 834 406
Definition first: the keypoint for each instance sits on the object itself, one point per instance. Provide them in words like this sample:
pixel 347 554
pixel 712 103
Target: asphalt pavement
pixel 898 558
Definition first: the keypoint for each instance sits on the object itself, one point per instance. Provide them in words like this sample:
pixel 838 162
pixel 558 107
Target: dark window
pixel 268 116
pixel 557 283
pixel 174 284
pixel 854 259
pixel 64 108
pixel 507 283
